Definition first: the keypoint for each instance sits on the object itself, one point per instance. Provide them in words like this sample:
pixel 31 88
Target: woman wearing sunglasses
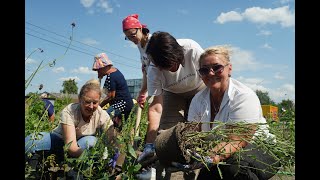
pixel 229 101
pixel 138 34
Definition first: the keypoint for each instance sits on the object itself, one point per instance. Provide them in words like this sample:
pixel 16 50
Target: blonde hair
pixel 224 50
pixel 92 84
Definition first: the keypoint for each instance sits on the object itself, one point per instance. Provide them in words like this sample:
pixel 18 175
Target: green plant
pixel 283 150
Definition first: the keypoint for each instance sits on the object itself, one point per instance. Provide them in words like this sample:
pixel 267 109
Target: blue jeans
pixel 254 164
pixel 111 110
pixel 52 142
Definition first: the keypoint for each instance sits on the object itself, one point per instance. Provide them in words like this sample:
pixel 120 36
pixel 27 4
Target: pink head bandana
pixel 131 22
pixel 101 60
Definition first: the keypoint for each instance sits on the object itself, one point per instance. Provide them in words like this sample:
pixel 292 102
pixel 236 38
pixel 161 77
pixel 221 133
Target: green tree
pixel 264 98
pixel 69 87
pixel 286 105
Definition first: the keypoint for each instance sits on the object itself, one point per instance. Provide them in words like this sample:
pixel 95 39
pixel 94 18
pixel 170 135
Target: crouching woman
pixel 229 101
pixel 79 124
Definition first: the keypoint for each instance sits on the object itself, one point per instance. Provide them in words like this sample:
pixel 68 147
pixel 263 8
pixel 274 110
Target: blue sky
pixel 261 33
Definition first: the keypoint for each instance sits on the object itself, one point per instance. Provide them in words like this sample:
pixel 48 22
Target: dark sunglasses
pixel 217 69
pixel 132 35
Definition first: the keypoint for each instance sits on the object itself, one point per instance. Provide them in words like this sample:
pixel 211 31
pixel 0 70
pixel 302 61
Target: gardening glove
pixel 114 159
pixel 198 162
pixel 148 152
pixel 141 100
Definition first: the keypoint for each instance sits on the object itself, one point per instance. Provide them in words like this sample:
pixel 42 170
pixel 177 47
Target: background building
pixel 134 86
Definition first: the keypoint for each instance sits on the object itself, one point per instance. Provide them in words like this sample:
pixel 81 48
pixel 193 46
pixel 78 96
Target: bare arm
pixel 142 93
pixel 144 83
pixel 154 115
pixel 51 118
pixel 110 96
pixel 238 139
pixel 69 134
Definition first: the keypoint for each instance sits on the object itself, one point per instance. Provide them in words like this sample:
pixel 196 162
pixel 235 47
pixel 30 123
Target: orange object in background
pixel 270 111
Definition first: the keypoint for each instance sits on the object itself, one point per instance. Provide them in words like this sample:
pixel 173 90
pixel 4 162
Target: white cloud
pixel 266 46
pixel 284 1
pixel 58 69
pixel 87 3
pixel 67 78
pixel 281 15
pixel 105 6
pixel 278 76
pixel 90 41
pixel 289 87
pixel 264 33
pixel 229 16
pixel 30 61
pixel 100 4
pixel 251 81
pixel 243 60
pixel 83 70
pixel 286 91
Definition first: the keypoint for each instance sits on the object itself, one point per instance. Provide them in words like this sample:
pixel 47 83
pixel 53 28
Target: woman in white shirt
pixel 172 81
pixel 229 101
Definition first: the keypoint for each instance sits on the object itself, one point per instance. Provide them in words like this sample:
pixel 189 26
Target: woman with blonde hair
pixel 79 124
pixel 229 101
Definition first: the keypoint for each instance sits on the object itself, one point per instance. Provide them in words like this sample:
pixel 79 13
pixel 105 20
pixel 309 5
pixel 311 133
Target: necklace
pixel 216 110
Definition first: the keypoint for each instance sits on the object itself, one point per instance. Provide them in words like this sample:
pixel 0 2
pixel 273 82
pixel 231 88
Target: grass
pixel 94 163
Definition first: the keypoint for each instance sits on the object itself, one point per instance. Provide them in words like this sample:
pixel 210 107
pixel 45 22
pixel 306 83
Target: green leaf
pixel 131 151
pixel 137 167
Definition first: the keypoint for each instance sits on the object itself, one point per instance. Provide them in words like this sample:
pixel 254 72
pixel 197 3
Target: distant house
pixel 74 97
pixel 53 96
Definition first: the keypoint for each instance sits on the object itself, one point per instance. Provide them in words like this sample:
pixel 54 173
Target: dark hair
pixel 145 31
pixel 164 50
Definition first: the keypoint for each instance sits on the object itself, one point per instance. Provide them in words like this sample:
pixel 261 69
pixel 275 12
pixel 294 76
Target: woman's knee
pixel 37 142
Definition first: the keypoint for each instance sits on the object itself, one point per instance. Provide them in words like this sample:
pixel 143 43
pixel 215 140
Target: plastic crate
pixel 270 112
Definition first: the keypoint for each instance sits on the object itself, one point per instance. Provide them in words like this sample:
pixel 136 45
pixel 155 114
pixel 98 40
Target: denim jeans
pixel 254 161
pixel 113 112
pixel 52 142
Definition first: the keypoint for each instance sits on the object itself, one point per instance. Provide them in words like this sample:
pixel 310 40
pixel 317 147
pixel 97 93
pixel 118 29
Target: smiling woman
pixel 138 34
pixel 226 100
pixel 79 123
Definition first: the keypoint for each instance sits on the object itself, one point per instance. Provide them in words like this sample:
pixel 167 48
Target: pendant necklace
pixel 214 112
